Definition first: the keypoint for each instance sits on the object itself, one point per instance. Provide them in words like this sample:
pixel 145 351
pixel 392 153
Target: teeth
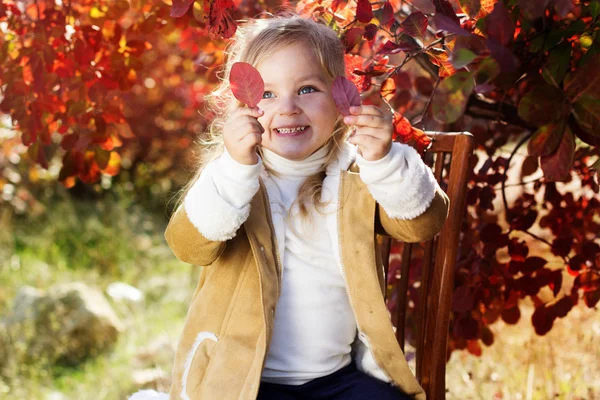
pixel 288 130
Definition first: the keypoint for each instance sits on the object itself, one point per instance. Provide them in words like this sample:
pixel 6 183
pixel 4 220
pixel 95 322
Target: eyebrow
pixel 306 78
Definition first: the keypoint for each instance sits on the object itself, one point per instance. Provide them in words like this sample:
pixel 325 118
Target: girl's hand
pixel 373 132
pixel 242 133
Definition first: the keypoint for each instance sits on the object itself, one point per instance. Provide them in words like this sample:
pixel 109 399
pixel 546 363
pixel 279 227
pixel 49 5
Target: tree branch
pixel 478 108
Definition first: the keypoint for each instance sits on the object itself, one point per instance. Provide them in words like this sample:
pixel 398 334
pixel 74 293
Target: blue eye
pixel 265 95
pixel 308 87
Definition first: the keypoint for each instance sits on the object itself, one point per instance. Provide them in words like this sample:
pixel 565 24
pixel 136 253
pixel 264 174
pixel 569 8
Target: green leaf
pixel 556 166
pixel 595 8
pixel 450 99
pixel 558 64
pixel 536 44
pixel 462 57
pixel 487 70
pixel 587 112
pixel 542 105
pixel 546 139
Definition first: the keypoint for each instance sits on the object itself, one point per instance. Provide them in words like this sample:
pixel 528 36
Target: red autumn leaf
pixel 546 139
pixel 387 18
pixel 364 11
pixel 511 315
pixel 499 25
pixel 246 84
pixel 352 37
pixel 487 336
pixel 415 25
pixel 425 6
pixel 470 7
pixel 220 19
pixel 444 7
pixel 345 95
pixel 370 32
pixel 180 7
pixel 542 320
pixel 444 23
pixel 518 250
pixel 557 166
pixel 463 299
pixel 474 347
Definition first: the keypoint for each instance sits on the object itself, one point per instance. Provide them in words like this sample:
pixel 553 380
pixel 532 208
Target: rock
pixel 161 351
pixel 65 325
pixel 154 378
pixel 121 291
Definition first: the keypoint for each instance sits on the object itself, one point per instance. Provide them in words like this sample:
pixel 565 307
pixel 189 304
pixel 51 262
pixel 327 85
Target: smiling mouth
pixel 290 131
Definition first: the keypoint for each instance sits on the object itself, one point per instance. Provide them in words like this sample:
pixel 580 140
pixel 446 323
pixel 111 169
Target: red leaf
pixel 246 84
pixel 490 233
pixel 444 7
pixel 505 58
pixel 405 133
pixel 345 95
pixel 511 315
pixel 518 250
pixel 415 25
pixel 364 11
pixel 370 32
pixel 556 166
pixel 444 23
pixel 474 347
pixel 576 264
pixel 499 25
pixel 542 320
pixel 180 7
pixel 487 336
pixel 425 6
pixel 470 7
pixel 546 139
pixel 220 19
pixel 387 18
pixel 391 47
pixel 352 37
pixel 463 299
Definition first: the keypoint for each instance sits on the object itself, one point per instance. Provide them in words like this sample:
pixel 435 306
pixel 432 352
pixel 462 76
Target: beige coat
pixel 226 337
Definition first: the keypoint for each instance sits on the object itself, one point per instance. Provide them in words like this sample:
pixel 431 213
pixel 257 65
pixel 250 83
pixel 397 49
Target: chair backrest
pixel 449 156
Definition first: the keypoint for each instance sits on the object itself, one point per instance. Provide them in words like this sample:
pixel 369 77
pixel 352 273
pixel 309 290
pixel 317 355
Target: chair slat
pixel 433 315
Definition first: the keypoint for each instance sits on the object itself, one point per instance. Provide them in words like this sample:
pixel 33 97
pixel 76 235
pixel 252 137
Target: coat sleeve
pixel 419 229
pixel 188 244
pixel 215 207
pixel 410 204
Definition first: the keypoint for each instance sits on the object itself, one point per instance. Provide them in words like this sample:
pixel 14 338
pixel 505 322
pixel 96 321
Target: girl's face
pixel 299 111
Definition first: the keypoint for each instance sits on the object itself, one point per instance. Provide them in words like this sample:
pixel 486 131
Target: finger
pixel 251 112
pixel 375 121
pixel 234 105
pixel 251 139
pixel 366 110
pixel 246 125
pixel 366 141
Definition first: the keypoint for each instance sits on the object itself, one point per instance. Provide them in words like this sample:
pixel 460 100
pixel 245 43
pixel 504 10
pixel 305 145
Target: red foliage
pixel 79 83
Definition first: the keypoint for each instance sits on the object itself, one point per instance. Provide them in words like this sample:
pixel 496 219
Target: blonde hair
pixel 254 41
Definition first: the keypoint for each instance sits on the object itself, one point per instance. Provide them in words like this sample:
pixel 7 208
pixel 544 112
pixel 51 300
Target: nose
pixel 288 105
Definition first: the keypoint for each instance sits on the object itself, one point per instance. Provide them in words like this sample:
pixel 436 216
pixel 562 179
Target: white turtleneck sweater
pixel 314 324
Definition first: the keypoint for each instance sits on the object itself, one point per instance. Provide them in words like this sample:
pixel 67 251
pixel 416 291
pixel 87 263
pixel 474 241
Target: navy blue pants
pixel 347 383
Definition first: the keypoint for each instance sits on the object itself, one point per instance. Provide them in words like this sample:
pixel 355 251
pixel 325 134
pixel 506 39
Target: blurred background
pixel 102 105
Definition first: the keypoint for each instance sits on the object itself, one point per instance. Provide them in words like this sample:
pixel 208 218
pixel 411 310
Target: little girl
pixel 284 214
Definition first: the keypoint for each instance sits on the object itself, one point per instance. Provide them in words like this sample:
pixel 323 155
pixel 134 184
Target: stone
pixel 64 325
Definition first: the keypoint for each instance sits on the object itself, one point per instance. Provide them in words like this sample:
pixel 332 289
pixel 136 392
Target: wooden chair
pixel 449 154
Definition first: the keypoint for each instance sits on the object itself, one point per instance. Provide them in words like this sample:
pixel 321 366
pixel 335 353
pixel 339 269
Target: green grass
pixel 97 243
